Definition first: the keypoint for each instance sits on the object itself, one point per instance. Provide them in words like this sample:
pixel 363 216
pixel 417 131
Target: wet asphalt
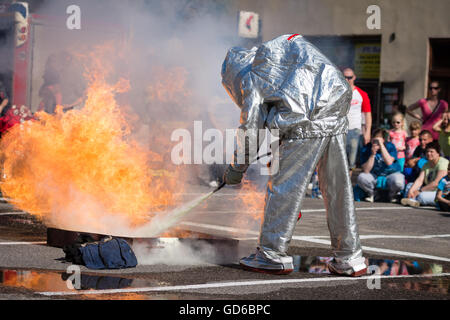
pixel 394 235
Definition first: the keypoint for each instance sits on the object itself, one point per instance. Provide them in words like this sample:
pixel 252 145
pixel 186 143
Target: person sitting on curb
pixel 443 192
pixel 418 160
pixel 380 167
pixel 423 190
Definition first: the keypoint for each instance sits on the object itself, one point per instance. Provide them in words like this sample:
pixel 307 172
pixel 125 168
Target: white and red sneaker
pixel 352 268
pixel 265 262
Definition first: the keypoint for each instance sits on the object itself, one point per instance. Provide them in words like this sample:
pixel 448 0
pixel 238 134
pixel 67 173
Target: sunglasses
pixel 434 88
pixel 348 78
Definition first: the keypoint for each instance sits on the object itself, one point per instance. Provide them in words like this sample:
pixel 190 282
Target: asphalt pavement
pixel 410 246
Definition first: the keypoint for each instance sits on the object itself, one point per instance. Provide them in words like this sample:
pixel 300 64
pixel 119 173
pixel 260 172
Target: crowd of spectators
pixel 398 165
pixel 410 168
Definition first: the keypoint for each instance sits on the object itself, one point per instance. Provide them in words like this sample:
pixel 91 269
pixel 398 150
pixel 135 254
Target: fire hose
pixel 206 196
pixel 223 183
pixel 174 216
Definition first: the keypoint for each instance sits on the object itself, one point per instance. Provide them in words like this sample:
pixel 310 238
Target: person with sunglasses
pixel 359 119
pixel 398 137
pixel 432 109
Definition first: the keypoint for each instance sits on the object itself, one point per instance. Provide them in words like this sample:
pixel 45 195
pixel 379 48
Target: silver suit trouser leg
pixel 337 191
pixel 286 190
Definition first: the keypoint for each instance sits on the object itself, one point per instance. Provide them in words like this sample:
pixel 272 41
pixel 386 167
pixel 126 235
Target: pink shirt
pixel 399 141
pixel 411 145
pixel 431 117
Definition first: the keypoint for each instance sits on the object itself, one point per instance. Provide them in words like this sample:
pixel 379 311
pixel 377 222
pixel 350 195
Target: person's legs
pixel 401 162
pixel 426 198
pixel 286 190
pixel 352 146
pixel 367 182
pixel 395 183
pixel 408 186
pixel 358 152
pixel 406 201
pixel 337 191
pixel 285 193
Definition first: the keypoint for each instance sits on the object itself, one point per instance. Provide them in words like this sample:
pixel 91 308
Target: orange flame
pixel 81 166
pixel 33 280
pixel 252 199
pixel 252 208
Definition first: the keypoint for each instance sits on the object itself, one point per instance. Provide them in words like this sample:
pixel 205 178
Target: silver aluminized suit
pixel 289 85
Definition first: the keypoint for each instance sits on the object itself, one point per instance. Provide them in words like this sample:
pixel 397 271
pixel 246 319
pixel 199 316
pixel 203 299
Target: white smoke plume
pixel 172 251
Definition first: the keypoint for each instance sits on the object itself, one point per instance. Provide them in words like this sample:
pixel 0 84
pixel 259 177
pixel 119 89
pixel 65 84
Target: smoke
pixel 152 37
pixel 173 251
pixel 170 36
pixel 170 51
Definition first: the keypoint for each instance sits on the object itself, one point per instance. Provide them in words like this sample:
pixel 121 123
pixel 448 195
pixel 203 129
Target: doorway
pixel 439 65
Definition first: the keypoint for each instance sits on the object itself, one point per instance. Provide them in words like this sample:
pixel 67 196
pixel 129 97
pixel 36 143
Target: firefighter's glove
pixel 232 176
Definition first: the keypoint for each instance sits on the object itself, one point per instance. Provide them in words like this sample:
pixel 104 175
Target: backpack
pixel 109 253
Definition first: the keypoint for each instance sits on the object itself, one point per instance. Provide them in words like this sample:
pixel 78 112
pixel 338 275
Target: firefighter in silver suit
pixel 288 85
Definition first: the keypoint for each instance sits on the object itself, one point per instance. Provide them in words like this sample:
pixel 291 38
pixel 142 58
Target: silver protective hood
pixel 312 95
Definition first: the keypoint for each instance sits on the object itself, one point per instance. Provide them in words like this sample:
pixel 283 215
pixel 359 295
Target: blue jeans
pixel 426 198
pixel 354 142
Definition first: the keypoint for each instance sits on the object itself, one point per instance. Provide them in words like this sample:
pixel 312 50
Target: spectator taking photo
pixel 381 170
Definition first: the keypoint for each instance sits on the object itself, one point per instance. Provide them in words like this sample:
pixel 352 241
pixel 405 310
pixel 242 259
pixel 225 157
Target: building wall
pixel 412 21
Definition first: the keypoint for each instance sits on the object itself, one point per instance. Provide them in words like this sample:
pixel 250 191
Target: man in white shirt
pixel 359 119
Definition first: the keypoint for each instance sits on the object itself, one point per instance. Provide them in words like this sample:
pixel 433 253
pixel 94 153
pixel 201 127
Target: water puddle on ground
pixel 386 267
pixel 58 281
pixel 53 281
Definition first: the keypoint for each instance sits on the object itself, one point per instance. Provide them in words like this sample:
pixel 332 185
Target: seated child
pixel 443 192
pixel 412 142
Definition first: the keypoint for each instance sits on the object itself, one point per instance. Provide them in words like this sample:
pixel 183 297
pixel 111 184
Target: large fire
pixel 81 168
pixel 84 170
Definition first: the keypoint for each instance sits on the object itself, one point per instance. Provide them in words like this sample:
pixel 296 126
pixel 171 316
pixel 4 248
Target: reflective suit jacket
pixel 289 85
